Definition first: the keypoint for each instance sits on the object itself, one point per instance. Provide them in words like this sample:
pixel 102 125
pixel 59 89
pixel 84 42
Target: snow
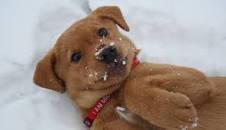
pixel 195 124
pixel 98 52
pixel 123 62
pixel 105 77
pixel 118 108
pixel 125 114
pixel 112 44
pixel 190 33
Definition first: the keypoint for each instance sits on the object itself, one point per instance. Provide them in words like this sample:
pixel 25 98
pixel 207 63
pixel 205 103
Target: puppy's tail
pixel 212 115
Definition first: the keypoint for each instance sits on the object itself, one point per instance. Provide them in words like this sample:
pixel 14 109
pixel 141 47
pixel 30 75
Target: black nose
pixel 108 54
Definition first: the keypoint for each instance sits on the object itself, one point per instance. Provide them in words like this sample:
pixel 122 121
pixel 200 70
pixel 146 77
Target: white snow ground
pixel 190 33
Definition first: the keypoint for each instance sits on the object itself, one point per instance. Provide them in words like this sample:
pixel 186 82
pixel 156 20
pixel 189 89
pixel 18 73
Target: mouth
pixel 115 69
pixel 110 78
pixel 110 73
pixel 115 62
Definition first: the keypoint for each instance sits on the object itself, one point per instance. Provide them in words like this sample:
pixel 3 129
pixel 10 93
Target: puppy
pixel 95 64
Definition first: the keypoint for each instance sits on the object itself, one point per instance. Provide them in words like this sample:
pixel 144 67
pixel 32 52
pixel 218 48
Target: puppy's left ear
pixel 112 13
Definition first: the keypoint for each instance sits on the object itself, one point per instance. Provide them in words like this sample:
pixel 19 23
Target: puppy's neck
pixel 87 99
pixel 115 100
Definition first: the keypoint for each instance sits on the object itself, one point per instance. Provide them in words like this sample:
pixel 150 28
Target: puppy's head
pixel 91 55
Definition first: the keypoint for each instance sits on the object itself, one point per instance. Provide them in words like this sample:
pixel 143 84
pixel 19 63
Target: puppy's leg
pixel 159 107
pixel 187 81
pixel 194 85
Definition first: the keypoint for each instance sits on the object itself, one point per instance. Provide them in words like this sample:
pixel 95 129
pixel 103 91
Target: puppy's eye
pixel 76 57
pixel 102 32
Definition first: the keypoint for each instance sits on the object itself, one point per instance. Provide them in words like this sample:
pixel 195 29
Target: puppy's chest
pixel 117 110
pixel 109 111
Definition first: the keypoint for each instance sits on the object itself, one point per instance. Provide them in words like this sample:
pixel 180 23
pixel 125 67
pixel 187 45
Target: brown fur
pixel 158 96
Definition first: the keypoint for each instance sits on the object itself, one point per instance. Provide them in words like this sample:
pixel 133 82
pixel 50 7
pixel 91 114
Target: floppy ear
pixel 45 75
pixel 112 13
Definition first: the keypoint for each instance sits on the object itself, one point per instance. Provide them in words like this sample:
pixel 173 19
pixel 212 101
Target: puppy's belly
pixel 134 119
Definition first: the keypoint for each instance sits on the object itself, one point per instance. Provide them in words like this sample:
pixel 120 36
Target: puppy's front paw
pixel 181 113
pixel 184 111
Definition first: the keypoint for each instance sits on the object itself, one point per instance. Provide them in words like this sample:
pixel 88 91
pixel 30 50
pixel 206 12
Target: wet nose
pixel 108 54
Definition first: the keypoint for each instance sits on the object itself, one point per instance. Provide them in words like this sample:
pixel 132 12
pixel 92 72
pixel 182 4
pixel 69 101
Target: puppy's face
pixel 92 55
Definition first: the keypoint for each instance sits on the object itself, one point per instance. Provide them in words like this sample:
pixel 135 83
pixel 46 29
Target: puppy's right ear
pixel 112 13
pixel 45 75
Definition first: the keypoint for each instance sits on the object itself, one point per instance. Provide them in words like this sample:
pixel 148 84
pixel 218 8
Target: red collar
pixel 92 115
pixel 136 61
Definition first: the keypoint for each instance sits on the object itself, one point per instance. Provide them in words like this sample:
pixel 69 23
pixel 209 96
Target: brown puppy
pixel 93 59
